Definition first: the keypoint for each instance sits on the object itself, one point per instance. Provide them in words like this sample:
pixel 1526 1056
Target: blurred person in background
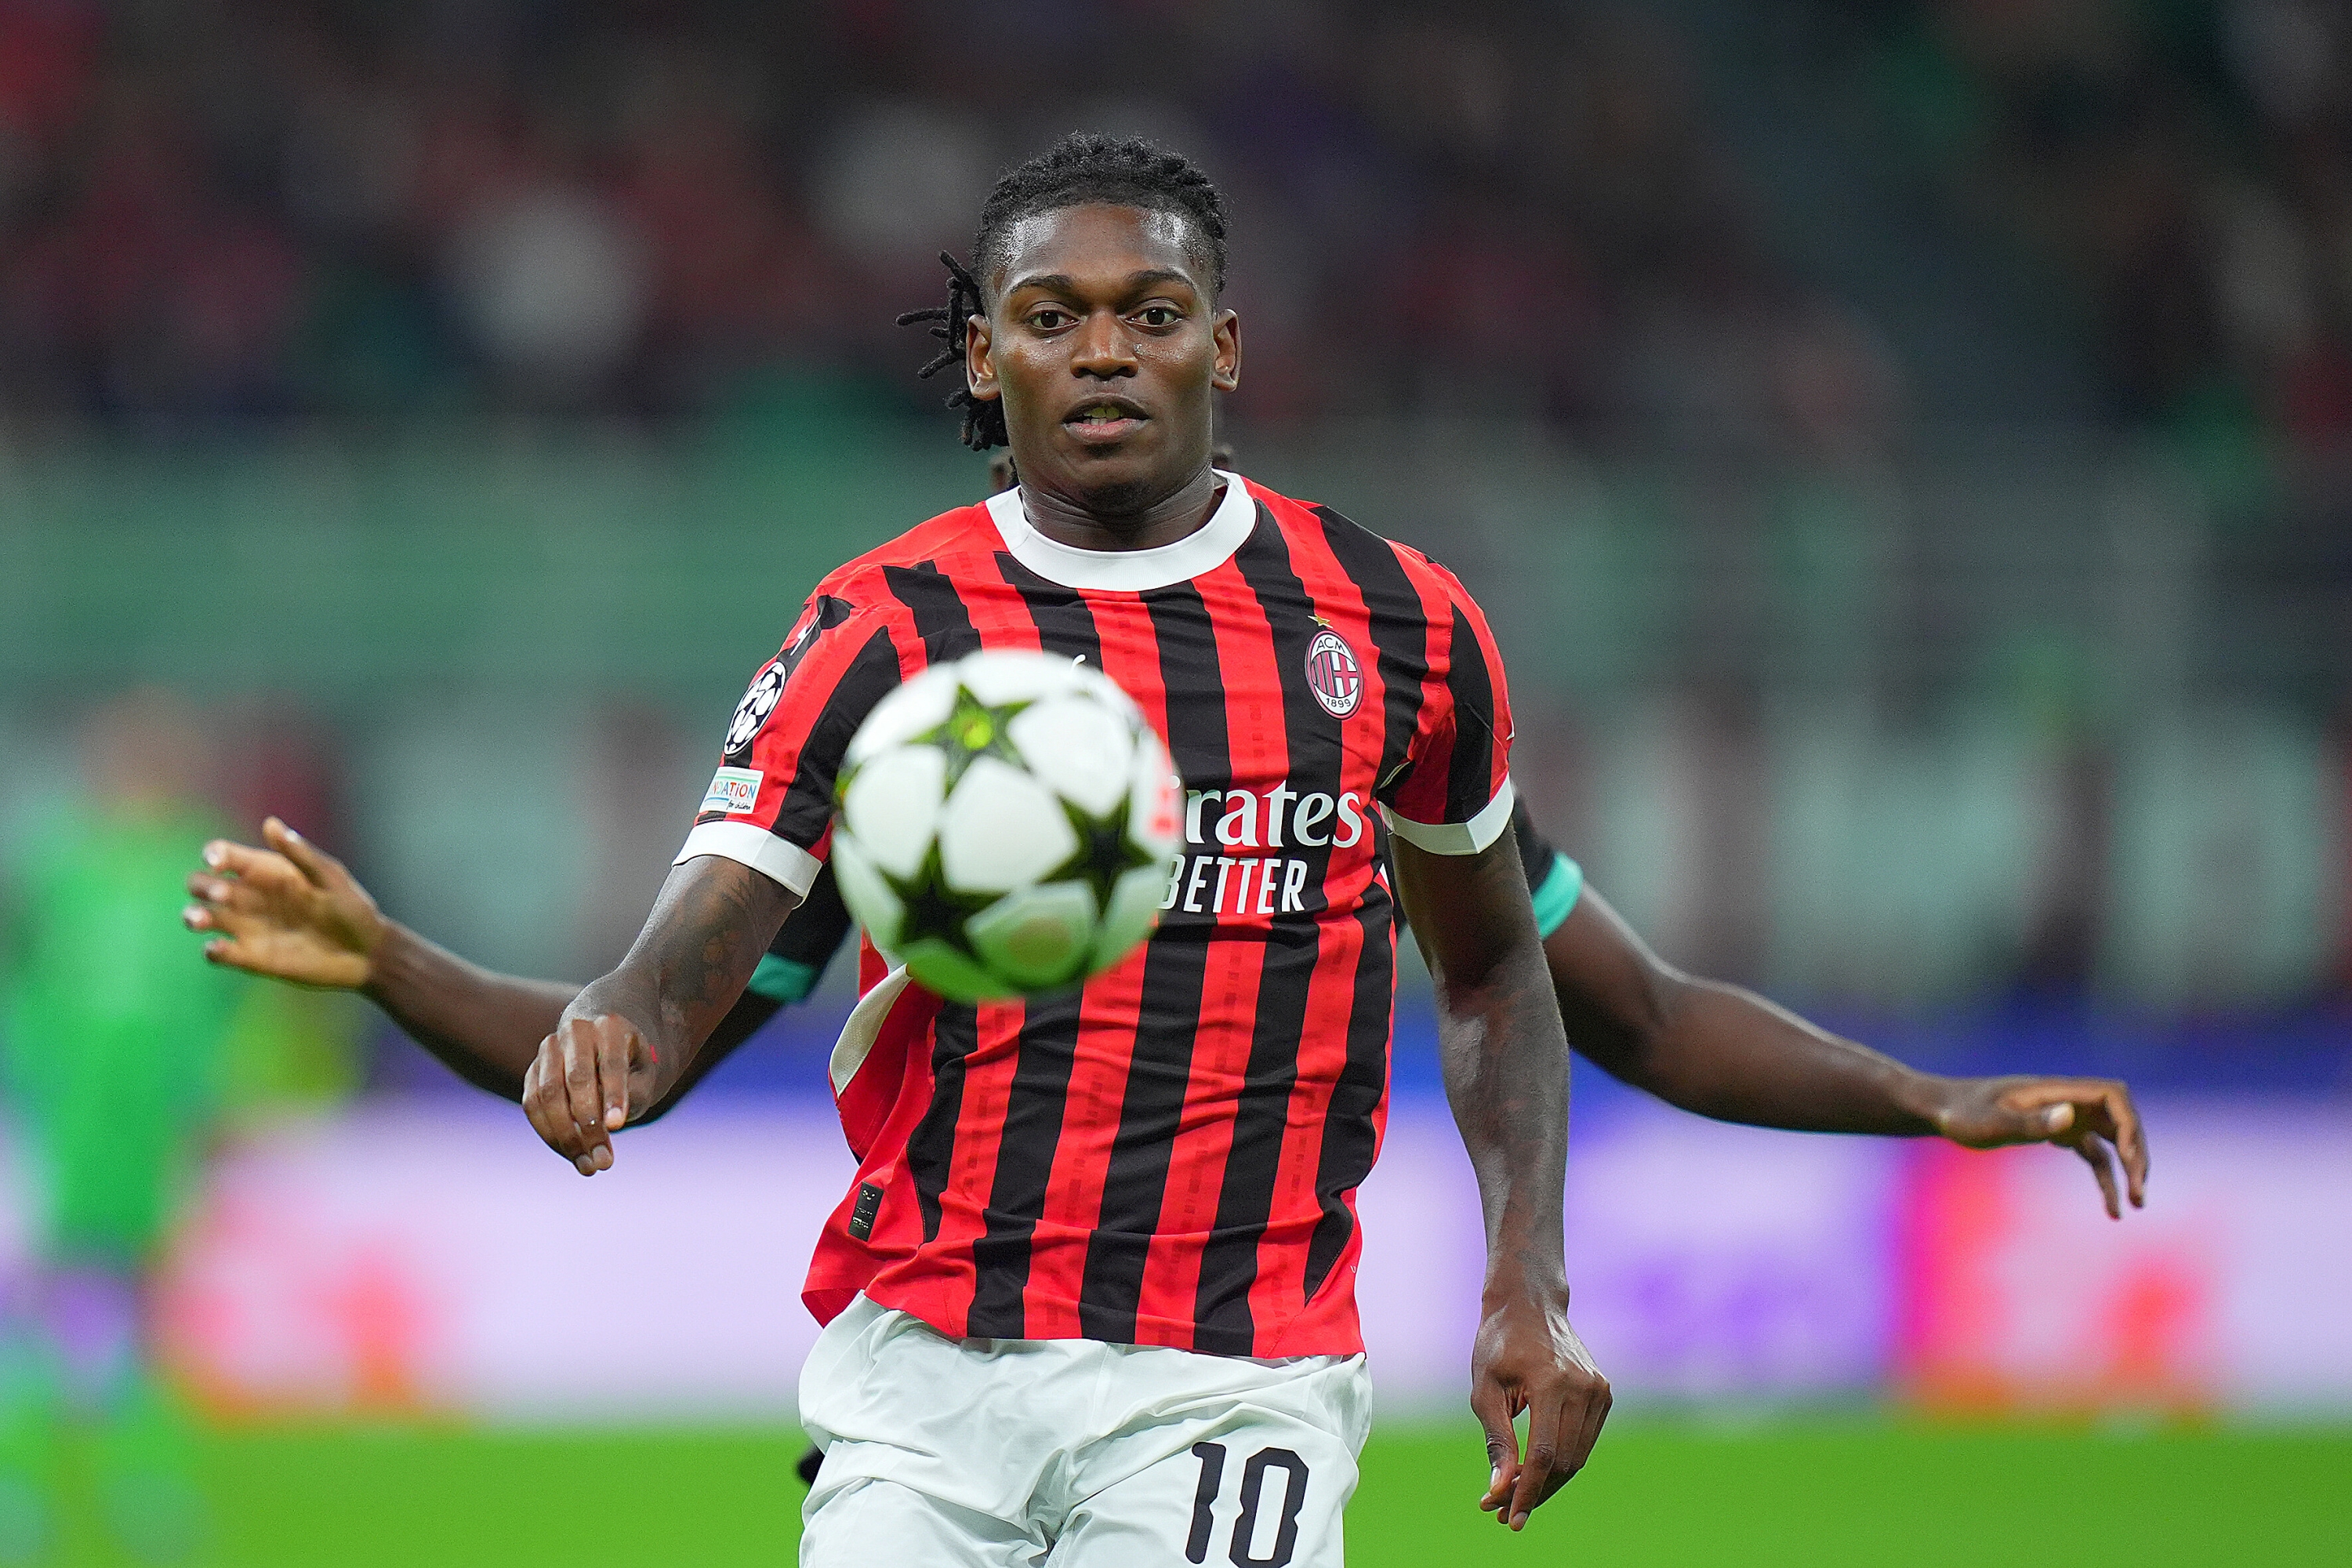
pixel 114 1044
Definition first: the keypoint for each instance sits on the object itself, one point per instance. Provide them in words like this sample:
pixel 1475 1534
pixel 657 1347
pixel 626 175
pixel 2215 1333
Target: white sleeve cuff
pixel 747 844
pixel 1471 838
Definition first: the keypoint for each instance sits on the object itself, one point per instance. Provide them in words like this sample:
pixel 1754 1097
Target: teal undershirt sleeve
pixel 1554 901
pixel 784 981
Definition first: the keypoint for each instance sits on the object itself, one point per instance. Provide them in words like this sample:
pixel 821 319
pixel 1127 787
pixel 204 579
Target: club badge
pixel 1333 674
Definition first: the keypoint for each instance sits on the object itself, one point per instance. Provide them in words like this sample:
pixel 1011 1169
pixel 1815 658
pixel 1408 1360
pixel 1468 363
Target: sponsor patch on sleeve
pixel 733 790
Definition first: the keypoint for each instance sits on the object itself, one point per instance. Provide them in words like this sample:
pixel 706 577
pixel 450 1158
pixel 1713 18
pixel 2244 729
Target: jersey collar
pixel 1129 571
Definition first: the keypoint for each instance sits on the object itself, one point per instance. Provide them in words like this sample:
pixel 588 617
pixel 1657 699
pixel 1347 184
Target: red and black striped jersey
pixel 1169 1155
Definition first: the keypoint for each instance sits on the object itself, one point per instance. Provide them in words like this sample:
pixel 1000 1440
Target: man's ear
pixel 1227 374
pixel 978 362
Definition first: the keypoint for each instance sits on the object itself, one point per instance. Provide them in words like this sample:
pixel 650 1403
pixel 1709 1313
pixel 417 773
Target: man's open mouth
pixel 1105 419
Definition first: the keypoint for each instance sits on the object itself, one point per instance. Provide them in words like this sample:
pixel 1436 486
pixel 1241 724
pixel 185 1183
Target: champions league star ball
pixel 1006 827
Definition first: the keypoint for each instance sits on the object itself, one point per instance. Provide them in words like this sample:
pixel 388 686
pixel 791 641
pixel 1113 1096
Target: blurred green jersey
pixel 113 1028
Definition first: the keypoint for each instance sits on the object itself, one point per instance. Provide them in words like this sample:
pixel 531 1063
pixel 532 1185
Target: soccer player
pixel 114 1048
pixel 1142 1193
pixel 1113 1314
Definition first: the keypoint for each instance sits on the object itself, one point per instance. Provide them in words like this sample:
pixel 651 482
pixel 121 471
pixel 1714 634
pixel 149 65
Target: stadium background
pixel 1902 448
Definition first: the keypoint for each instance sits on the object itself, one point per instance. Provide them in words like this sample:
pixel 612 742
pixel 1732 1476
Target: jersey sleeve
pixel 769 804
pixel 1453 793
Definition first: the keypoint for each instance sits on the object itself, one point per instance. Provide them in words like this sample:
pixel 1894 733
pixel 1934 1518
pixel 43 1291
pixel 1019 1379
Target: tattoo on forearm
pixel 701 956
pixel 697 952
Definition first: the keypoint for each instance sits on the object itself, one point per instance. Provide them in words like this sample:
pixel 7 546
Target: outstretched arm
pixel 293 912
pixel 1505 1065
pixel 628 1039
pixel 1728 1053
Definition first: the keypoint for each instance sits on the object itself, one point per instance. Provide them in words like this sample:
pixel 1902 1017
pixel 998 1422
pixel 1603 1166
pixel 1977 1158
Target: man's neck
pixel 1182 512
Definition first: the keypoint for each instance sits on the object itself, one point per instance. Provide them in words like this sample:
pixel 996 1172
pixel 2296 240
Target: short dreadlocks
pixel 1080 168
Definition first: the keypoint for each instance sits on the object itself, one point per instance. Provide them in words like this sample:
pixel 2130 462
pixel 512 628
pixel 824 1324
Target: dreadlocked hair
pixel 983 419
pixel 1079 169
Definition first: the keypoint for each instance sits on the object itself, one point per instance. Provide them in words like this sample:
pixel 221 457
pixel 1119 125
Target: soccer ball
pixel 1007 823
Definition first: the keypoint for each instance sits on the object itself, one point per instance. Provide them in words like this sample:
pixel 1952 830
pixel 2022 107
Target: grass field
pixel 1818 1493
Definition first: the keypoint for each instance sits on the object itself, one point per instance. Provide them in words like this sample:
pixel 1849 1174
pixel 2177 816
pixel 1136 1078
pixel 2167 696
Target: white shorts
pixel 993 1453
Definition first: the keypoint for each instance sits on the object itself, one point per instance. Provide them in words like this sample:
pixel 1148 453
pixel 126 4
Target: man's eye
pixel 1046 321
pixel 1158 316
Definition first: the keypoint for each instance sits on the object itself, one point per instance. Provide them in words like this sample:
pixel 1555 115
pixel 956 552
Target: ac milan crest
pixel 1332 672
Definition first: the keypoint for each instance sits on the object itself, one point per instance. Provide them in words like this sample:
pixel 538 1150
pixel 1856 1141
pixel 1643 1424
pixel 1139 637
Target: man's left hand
pixel 2093 1116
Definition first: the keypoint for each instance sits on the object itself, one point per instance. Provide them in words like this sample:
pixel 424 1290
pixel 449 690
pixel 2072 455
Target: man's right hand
pixel 289 911
pixel 590 1077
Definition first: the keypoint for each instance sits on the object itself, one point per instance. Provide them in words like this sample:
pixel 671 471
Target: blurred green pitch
pixel 1818 1491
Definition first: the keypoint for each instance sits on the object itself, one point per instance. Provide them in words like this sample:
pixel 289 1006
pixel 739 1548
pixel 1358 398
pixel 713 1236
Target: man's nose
pixel 1101 348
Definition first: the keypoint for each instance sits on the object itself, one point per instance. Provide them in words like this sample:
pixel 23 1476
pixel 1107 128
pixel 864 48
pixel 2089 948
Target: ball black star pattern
pixel 972 730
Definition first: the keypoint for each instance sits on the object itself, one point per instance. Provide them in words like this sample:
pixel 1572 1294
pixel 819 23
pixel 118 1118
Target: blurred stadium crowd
pixel 229 210
pixel 247 210
pixel 2184 163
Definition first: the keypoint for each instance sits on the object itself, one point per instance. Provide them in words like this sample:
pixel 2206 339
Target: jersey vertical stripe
pixel 1344 1071
pixel 1470 770
pixel 968 1081
pixel 1311 762
pixel 1046 1050
pixel 1176 966
pixel 1112 1019
pixel 1351 1129
pixel 930 1152
pixel 941 619
pixel 1250 988
pixel 1168 1155
pixel 1398 632
pixel 941 629
pixel 1065 625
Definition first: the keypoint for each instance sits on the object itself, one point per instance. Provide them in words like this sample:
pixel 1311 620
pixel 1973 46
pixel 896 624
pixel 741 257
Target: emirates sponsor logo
pixel 1333 674
pixel 1204 882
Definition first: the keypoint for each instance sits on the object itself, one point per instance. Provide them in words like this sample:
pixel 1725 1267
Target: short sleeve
pixel 1453 793
pixel 769 804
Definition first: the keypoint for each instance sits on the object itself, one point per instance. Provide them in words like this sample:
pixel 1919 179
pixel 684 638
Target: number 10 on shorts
pixel 1293 1481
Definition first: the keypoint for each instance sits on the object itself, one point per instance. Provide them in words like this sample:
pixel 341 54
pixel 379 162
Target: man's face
pixel 1104 342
